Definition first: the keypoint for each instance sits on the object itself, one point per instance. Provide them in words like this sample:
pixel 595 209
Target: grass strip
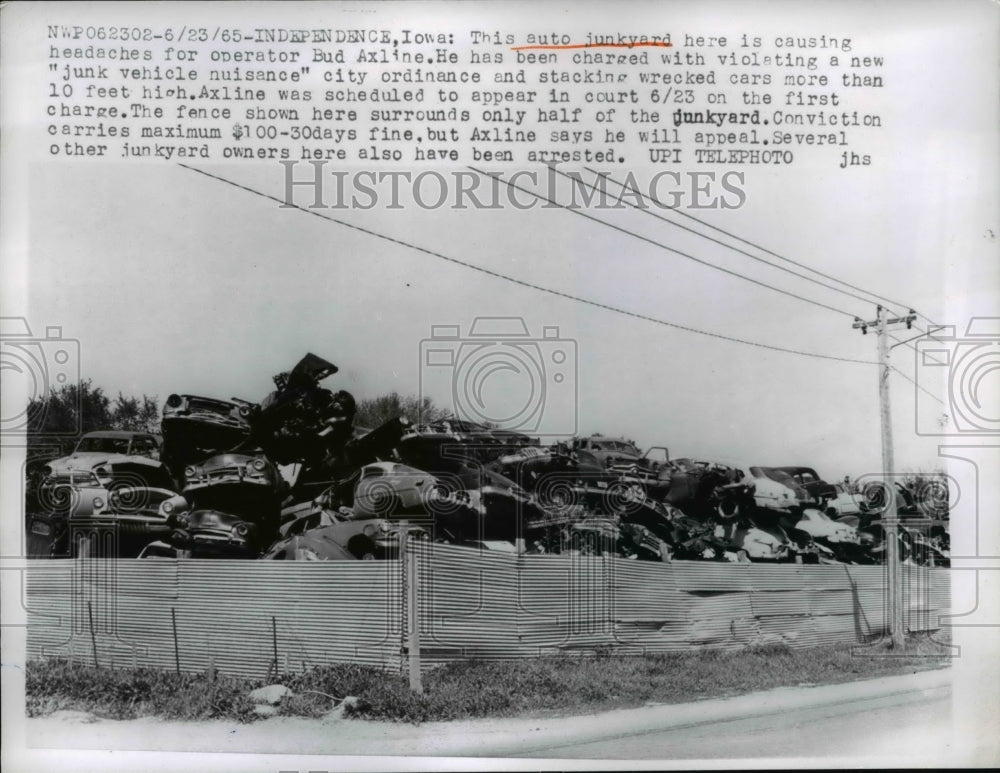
pixel 472 689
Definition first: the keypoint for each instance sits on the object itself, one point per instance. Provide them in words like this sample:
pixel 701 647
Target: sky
pixel 175 282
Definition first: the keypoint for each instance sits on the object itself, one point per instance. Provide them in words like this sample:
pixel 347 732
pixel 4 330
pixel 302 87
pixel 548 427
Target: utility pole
pixel 890 518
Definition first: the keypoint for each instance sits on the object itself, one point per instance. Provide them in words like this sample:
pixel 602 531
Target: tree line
pixel 57 420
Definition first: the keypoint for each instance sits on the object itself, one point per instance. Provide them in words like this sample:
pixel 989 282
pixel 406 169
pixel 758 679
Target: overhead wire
pixel 918 386
pixel 550 200
pixel 771 252
pixel 521 282
pixel 694 231
pixel 715 241
pixel 622 229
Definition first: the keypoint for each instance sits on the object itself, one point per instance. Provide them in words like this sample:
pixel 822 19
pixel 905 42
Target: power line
pixel 770 252
pixel 665 219
pixel 760 247
pixel 646 239
pixel 521 282
pixel 932 359
pixel 908 345
pixel 905 342
pixel 652 199
pixel 722 243
pixel 913 381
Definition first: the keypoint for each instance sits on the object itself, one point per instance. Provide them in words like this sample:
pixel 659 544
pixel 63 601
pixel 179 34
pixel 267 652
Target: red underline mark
pixel 657 43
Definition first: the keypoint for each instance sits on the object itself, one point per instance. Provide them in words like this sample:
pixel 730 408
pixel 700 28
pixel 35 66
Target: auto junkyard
pixel 263 537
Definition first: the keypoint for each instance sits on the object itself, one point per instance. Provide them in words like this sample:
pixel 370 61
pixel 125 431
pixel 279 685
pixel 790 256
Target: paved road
pixel 902 725
pixel 891 721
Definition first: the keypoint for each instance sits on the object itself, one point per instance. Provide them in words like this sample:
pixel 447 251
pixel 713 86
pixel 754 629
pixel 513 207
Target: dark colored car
pixel 207 533
pixel 237 482
pixel 448 444
pixel 195 428
pixel 531 467
pixel 605 451
pixel 235 500
pixel 809 479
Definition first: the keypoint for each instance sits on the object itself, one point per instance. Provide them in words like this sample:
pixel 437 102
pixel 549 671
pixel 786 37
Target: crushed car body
pixel 322 530
pixel 293 477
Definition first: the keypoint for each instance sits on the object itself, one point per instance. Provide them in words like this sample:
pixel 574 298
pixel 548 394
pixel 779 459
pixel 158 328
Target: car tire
pixel 362 547
pixel 728 509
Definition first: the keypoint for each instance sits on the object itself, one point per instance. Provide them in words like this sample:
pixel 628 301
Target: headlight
pixel 174 401
pixel 190 472
pixel 369 530
pixel 241 530
pixel 167 507
pixel 102 473
pixel 258 465
pixel 98 503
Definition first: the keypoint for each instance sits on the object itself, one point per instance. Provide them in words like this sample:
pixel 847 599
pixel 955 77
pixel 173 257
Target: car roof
pixel 795 470
pixel 122 434
pixel 118 433
pixel 723 461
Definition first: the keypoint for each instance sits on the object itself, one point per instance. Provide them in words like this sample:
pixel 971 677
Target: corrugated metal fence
pixel 250 617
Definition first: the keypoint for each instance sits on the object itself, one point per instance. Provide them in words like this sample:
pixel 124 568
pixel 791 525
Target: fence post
pixel 93 638
pixel 274 645
pixel 412 607
pixel 177 652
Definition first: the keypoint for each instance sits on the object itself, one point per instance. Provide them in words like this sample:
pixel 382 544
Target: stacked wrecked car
pixel 291 477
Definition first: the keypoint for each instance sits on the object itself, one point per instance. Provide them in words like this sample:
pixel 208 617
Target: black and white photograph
pixel 500 385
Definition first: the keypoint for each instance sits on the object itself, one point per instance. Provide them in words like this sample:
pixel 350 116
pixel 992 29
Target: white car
pixel 102 461
pixel 770 544
pixel 845 503
pixel 820 526
pixel 773 489
pixel 390 489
